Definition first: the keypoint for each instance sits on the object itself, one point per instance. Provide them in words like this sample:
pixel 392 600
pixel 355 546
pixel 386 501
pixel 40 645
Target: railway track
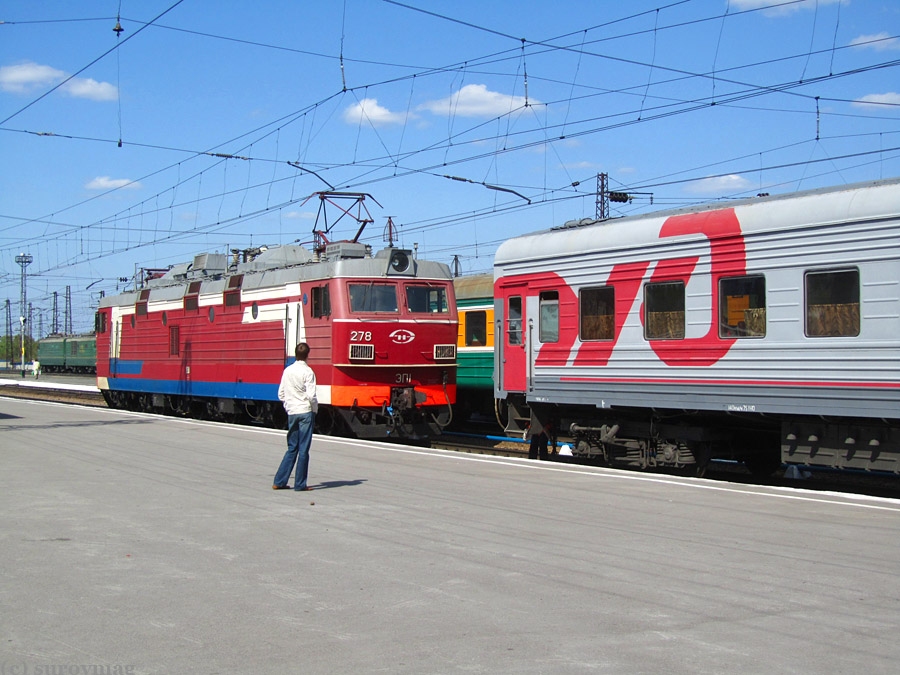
pixel 482 439
pixel 91 398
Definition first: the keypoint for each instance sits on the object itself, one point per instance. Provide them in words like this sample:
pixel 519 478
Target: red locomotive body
pixel 213 339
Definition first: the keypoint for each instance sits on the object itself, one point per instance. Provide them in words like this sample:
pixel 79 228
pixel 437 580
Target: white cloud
pixel 475 100
pixel 91 89
pixel 880 101
pixel 581 165
pixel 107 183
pixel 780 7
pixel 881 42
pixel 27 77
pixel 718 185
pixel 300 215
pixel 368 110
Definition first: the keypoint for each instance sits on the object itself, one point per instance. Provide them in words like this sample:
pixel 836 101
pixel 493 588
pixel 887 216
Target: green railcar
pixel 68 353
pixel 81 353
pixel 475 344
pixel 51 353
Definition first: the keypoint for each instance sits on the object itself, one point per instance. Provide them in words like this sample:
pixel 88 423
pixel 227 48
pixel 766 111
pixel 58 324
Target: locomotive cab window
pixel 742 307
pixel 597 309
pixel 664 311
pixel 514 320
pixel 476 328
pixel 321 302
pixel 427 299
pixel 373 297
pixel 548 329
pixel 832 303
pixel 100 322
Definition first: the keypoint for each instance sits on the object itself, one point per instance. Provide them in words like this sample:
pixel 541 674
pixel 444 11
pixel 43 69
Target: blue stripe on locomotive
pixel 265 391
pixel 123 367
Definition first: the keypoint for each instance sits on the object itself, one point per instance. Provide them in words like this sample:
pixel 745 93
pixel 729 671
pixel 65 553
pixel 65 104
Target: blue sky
pixel 682 102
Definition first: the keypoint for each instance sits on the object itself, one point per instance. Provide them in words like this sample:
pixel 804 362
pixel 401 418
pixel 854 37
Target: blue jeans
pixel 299 438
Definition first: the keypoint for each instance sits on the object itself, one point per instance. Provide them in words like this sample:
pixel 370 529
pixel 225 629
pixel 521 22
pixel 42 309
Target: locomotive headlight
pixel 399 262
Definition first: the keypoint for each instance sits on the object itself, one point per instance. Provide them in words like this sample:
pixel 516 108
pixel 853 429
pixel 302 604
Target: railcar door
pixel 115 341
pixel 513 361
pixel 294 329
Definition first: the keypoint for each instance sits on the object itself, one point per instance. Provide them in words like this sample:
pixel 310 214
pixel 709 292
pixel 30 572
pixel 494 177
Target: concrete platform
pixel 157 544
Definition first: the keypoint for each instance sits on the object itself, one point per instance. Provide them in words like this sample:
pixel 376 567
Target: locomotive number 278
pixel 360 336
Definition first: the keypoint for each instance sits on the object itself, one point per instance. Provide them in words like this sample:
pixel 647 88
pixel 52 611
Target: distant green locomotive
pixel 68 353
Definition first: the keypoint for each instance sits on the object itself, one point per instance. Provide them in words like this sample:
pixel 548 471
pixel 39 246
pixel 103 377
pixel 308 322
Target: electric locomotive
pixel 763 330
pixel 212 337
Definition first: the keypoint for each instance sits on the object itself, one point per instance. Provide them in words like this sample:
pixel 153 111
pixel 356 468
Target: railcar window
pixel 597 309
pixel 548 324
pixel 233 291
pixel 427 299
pixel 321 301
pixel 373 297
pixel 140 307
pixel 832 303
pixel 476 328
pixel 742 307
pixel 191 298
pixel 514 320
pixel 100 325
pixel 664 311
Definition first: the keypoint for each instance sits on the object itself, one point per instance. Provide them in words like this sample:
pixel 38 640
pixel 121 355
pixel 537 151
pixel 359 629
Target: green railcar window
pixel 475 328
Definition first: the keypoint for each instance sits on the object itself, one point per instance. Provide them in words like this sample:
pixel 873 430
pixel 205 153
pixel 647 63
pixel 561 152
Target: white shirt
pixel 298 389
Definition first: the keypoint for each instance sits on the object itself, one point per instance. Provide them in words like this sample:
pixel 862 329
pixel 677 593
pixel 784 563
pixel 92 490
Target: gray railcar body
pixel 808 382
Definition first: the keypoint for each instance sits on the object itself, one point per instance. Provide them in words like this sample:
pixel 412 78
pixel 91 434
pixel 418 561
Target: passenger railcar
pixel 474 344
pixel 213 338
pixel 763 330
pixel 68 353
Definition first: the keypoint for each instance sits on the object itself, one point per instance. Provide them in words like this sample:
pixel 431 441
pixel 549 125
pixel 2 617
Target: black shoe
pixel 281 487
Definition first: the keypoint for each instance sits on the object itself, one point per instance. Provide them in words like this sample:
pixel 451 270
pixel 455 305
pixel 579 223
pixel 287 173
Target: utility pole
pixel 8 334
pixel 54 325
pixel 601 210
pixel 24 260
pixel 68 310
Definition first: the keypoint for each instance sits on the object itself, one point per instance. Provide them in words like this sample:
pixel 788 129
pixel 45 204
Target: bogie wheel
pixel 326 421
pixel 763 464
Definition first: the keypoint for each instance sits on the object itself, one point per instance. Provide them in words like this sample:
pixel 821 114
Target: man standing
pixel 298 393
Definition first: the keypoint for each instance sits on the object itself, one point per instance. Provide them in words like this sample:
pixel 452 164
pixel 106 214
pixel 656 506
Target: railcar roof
pixel 278 270
pixel 474 286
pixel 874 199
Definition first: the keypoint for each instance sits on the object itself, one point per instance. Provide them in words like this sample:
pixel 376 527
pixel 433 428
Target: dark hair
pixel 302 351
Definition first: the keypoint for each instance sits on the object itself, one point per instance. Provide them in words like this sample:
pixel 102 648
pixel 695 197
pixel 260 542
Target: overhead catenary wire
pixel 394 158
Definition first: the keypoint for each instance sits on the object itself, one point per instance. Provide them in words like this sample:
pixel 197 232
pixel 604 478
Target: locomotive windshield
pixel 427 299
pixel 373 297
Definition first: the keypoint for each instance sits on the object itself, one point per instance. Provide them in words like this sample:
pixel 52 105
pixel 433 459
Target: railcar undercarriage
pixel 656 439
pixel 405 418
pixel 683 439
